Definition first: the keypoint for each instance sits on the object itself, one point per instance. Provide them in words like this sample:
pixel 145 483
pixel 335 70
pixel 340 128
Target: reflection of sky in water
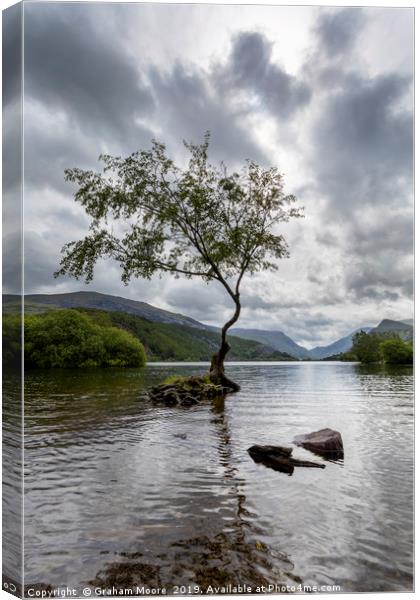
pixel 351 522
pixel 12 484
pixel 108 473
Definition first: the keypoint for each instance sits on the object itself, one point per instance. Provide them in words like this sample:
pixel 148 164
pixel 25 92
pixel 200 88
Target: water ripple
pixel 108 473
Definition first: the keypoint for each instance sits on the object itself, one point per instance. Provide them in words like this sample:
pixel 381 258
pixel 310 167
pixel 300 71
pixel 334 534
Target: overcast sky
pixel 325 94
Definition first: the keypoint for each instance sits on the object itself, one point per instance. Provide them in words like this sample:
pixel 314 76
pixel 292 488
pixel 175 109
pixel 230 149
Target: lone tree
pixel 200 221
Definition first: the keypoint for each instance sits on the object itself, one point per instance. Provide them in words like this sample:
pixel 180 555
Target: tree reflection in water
pixel 230 557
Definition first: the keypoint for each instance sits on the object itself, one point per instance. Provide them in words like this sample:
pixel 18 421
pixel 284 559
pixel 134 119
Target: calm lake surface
pixel 111 478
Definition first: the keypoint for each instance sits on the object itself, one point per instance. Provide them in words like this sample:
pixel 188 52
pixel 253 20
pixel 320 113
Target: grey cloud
pixel 12 147
pixel 12 54
pixel 190 101
pixel 12 263
pixel 379 252
pixel 42 261
pixel 328 238
pixel 381 264
pixel 86 86
pixel 385 276
pixel 317 320
pixel 364 144
pixel 97 90
pixel 330 77
pixel 391 231
pixel 377 294
pixel 49 151
pixel 314 278
pixel 338 30
pixel 362 134
pixel 308 330
pixel 39 256
pixel 363 165
pixel 72 65
pixel 42 256
pixel 250 67
pixel 207 303
pixel 187 108
pixel 257 304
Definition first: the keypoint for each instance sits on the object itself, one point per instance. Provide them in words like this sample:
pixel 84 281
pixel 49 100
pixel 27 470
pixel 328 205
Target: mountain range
pixel 275 339
pixel 270 343
pixel 104 302
pixel 403 328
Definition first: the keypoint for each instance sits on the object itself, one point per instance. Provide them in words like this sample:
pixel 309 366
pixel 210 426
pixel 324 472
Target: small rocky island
pixel 187 391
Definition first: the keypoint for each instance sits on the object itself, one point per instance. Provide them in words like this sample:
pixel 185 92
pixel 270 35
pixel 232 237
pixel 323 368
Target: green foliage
pixel 200 221
pixel 106 339
pixel 348 356
pixel 167 341
pixel 366 347
pixel 66 338
pixel 122 349
pixel 173 379
pixel 386 346
pixel 396 352
pixel 12 339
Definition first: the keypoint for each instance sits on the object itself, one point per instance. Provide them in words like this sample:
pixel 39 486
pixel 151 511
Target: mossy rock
pixel 186 391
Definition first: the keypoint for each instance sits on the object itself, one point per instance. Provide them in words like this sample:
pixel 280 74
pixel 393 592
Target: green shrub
pixel 348 356
pixel 174 379
pixel 12 339
pixel 189 381
pixel 122 349
pixel 396 352
pixel 66 338
pixel 366 347
pixel 170 341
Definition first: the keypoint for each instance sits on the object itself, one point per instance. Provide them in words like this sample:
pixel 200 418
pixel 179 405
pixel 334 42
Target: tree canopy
pixel 200 221
pixel 377 347
pixel 366 347
pixel 396 352
pixel 152 216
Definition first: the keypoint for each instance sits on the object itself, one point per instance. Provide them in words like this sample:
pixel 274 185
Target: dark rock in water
pixel 277 461
pixel 325 442
pixel 275 451
pixel 279 458
pixel 221 559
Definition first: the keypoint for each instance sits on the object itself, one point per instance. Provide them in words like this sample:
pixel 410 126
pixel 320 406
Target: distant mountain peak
pixel 274 338
pixel 391 325
pixel 341 345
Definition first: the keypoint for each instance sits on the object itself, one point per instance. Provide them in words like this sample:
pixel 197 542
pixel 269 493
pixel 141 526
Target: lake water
pixel 172 496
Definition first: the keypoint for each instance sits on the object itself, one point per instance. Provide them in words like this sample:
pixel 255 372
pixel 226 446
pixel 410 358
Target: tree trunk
pixel 217 367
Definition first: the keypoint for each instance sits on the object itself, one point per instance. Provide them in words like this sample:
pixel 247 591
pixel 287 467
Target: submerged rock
pixel 279 458
pixel 220 563
pixel 325 442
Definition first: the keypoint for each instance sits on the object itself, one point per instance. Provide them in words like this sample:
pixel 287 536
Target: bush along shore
pixel 69 339
pixel 387 348
pixel 160 341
